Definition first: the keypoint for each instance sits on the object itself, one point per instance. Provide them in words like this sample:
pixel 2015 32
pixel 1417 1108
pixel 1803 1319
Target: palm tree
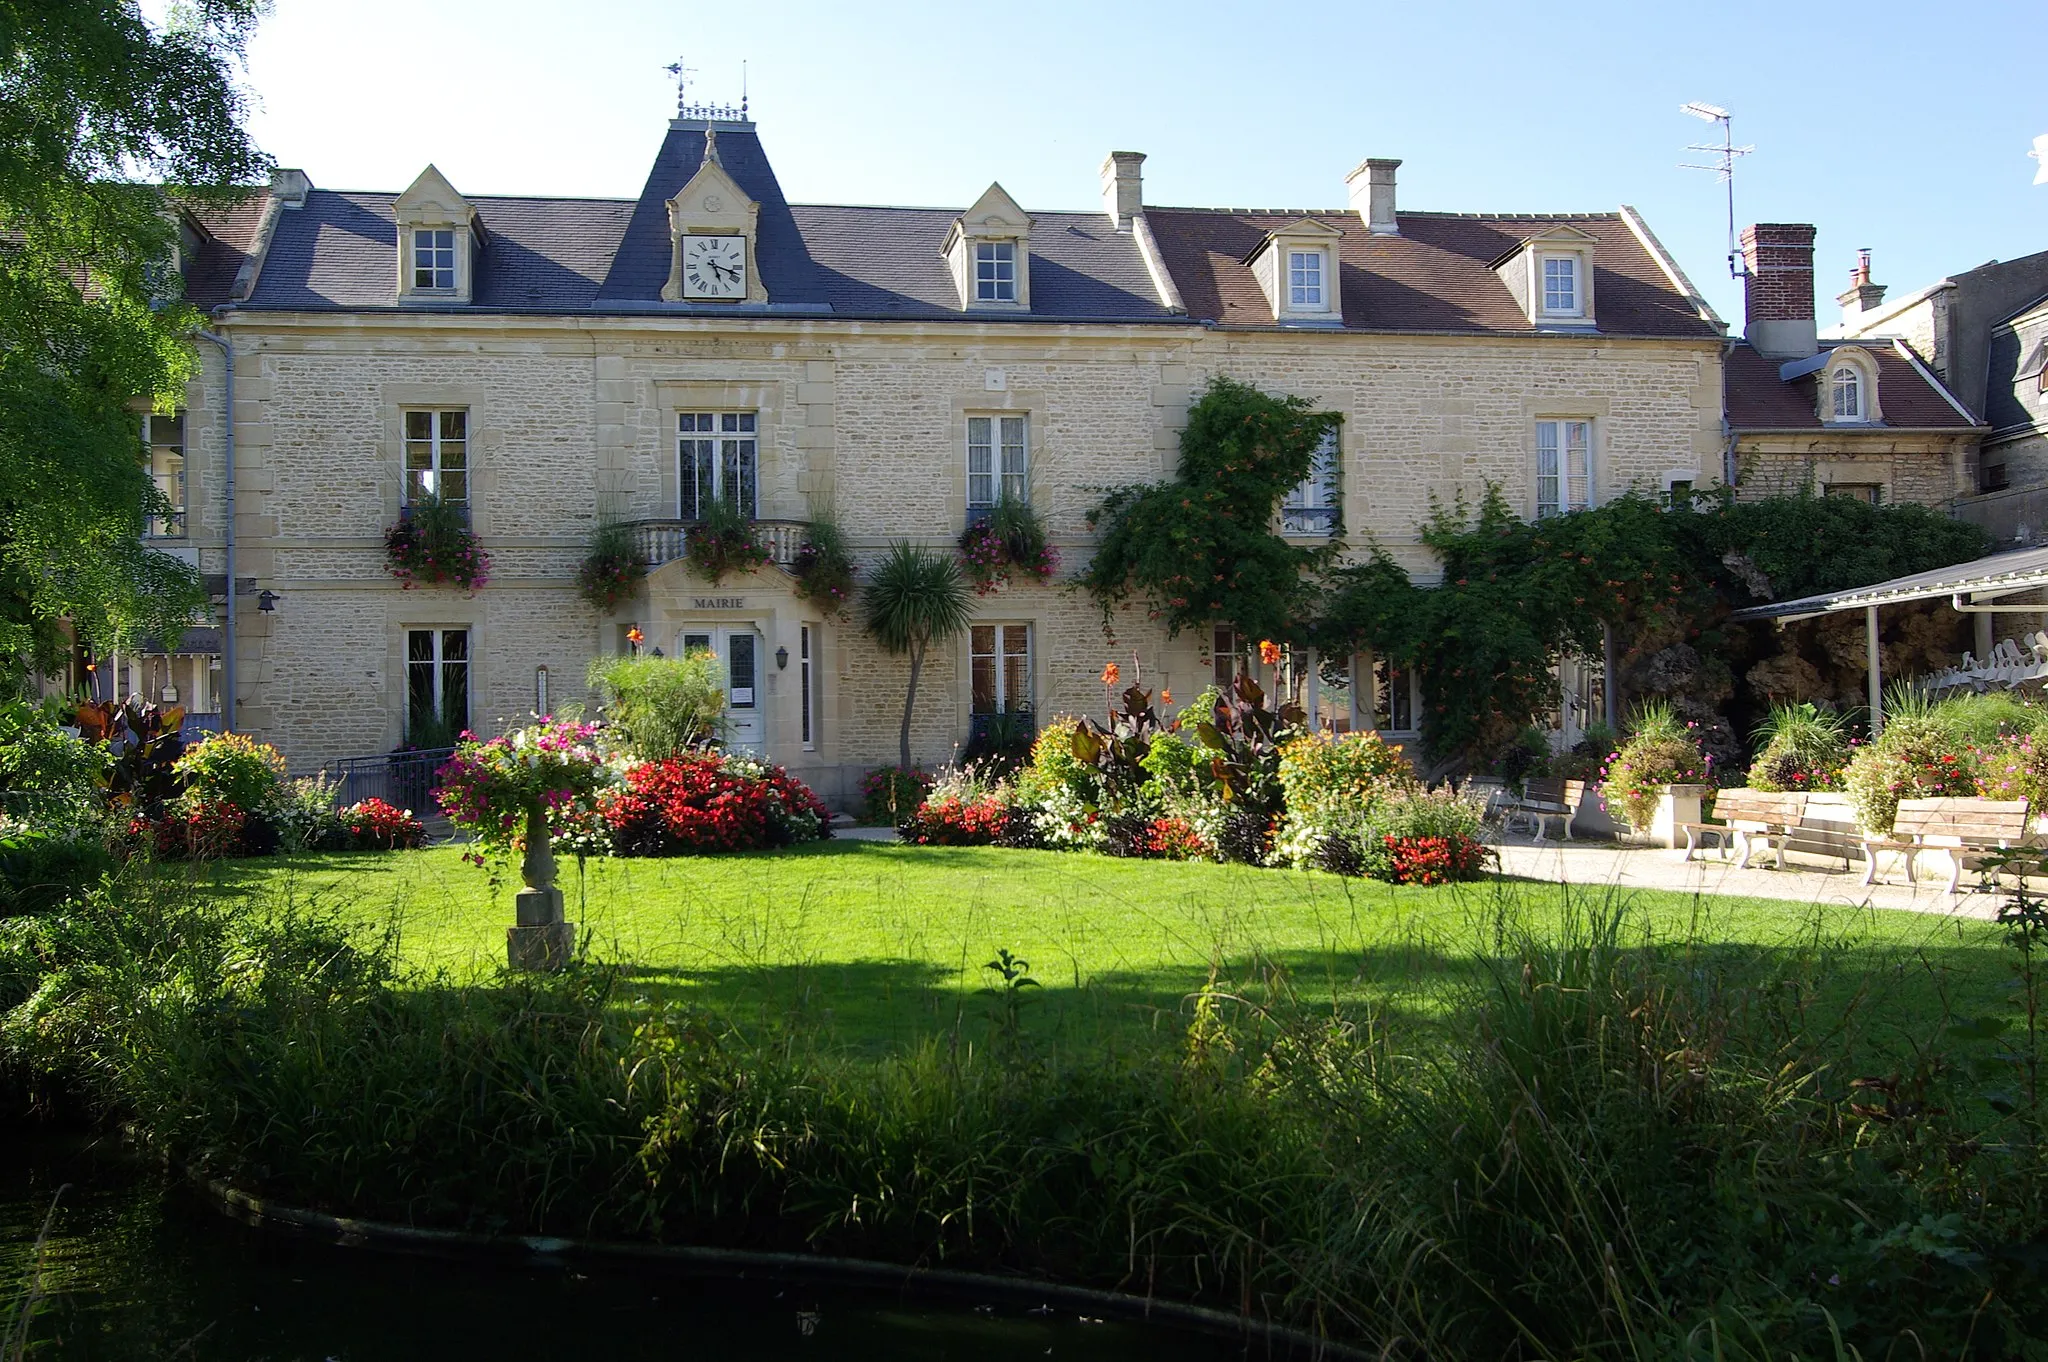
pixel 915 597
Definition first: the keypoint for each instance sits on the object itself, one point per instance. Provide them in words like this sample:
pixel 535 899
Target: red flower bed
pixel 950 821
pixel 374 825
pixel 1174 839
pixel 212 828
pixel 709 801
pixel 1436 860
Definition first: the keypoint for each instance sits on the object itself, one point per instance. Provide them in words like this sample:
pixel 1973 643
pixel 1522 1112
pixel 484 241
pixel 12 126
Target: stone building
pixel 1863 416
pixel 557 363
pixel 2016 402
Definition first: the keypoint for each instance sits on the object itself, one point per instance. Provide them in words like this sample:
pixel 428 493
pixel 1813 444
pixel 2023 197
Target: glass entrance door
pixel 738 650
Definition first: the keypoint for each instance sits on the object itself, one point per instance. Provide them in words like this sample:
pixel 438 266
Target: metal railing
pixel 405 779
pixel 664 541
pixel 1002 730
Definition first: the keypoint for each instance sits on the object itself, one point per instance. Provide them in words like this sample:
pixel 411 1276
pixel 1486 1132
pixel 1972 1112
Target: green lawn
pixel 877 944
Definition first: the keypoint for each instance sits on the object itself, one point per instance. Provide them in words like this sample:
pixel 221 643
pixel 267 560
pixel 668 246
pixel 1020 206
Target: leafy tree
pixel 107 126
pixel 914 598
pixel 1203 547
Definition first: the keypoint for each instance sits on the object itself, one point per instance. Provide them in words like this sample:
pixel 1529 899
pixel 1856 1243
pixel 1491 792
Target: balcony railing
pixel 664 541
pixel 1304 521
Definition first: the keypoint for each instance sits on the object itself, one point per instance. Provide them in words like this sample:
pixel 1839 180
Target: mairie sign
pixel 718 602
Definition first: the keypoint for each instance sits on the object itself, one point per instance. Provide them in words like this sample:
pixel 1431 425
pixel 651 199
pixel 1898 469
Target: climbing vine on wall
pixel 1204 547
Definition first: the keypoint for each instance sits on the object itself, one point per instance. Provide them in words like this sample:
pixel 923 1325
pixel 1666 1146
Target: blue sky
pixel 1899 127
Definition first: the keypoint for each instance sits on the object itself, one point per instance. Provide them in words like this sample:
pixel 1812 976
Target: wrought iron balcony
pixel 1308 521
pixel 664 541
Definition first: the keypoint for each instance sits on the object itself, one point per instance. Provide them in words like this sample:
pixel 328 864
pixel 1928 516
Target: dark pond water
pixel 142 1268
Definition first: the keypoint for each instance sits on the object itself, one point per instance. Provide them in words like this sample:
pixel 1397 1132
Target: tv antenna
pixel 1724 154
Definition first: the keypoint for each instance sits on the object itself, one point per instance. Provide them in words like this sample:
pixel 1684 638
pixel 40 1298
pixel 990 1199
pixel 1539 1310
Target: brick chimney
pixel 1861 296
pixel 1123 187
pixel 1371 183
pixel 1777 289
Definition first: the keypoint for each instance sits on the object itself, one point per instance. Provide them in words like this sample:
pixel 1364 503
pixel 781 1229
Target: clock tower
pixel 712 224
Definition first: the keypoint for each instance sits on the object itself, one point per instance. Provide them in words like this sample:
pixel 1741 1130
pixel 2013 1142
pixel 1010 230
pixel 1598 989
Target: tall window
pixel 1393 699
pixel 995 271
pixel 1561 283
pixel 433 258
pixel 1564 466
pixel 436 685
pixel 1305 278
pixel 1001 667
pixel 1226 655
pixel 437 455
pixel 807 633
pixel 718 453
pixel 1846 386
pixel 1311 506
pixel 166 435
pixel 996 460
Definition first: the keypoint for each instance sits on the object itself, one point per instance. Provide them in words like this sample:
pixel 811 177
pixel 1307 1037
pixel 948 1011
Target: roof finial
pixel 743 92
pixel 711 146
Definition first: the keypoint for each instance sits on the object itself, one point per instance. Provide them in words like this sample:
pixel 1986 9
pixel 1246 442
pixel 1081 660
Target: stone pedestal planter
pixel 1676 804
pixel 1594 820
pixel 541 939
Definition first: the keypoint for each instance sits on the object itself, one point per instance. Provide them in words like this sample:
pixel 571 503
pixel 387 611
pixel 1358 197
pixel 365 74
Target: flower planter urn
pixel 1676 805
pixel 541 938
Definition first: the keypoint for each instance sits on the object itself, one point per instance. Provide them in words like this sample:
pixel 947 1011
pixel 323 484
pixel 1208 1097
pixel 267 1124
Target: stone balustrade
pixel 664 541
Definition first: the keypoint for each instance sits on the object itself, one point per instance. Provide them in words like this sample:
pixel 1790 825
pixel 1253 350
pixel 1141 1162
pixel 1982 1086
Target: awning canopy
pixel 2000 574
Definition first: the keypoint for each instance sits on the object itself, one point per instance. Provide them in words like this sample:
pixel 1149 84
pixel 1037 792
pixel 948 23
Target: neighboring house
pixel 2016 403
pixel 1864 418
pixel 558 362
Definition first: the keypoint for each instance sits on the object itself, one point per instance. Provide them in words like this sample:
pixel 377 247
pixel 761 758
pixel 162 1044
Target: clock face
pixel 714 267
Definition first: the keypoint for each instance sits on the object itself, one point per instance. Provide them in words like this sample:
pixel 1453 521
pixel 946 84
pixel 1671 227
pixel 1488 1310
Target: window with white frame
pixel 717 458
pixel 436 683
pixel 1845 391
pixel 166 437
pixel 1561 285
pixel 1310 506
pixel 1000 665
pixel 1227 659
pixel 1564 466
pixel 997 460
pixel 1305 279
pixel 995 271
pixel 437 455
pixel 807 636
pixel 433 258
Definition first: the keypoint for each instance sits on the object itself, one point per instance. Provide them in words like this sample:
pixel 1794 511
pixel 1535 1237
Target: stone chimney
pixel 290 187
pixel 1123 186
pixel 1861 296
pixel 1777 289
pixel 1371 183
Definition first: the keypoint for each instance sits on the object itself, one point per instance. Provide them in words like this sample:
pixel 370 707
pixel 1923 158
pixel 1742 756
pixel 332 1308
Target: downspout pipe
pixel 227 633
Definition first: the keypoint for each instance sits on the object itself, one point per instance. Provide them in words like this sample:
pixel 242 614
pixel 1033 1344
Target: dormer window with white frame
pixel 1561 285
pixel 1550 275
pixel 1845 385
pixel 437 241
pixel 1845 393
pixel 1296 269
pixel 988 250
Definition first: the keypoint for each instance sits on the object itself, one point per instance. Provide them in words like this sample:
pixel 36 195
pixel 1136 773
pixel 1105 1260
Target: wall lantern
pixel 782 659
pixel 266 601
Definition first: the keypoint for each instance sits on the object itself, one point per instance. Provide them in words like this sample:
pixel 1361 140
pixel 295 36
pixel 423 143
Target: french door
pixel 738 649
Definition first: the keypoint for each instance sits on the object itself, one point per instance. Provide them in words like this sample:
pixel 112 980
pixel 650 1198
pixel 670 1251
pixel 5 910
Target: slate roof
pixel 1756 398
pixel 225 236
pixel 1435 276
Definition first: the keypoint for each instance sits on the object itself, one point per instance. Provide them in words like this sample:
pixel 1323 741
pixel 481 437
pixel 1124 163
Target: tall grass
pixel 1618 1148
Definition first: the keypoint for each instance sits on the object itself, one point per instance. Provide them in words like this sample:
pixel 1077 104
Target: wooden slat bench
pixel 1969 831
pixel 1750 817
pixel 1545 799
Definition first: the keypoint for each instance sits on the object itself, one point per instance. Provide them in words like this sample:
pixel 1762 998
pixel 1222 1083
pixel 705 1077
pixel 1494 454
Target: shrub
pixel 1010 539
pixel 433 544
pixel 724 542
pixel 233 768
pixel 1173 838
pixel 1416 836
pixel 1330 781
pixel 48 778
pixel 613 568
pixel 711 801
pixel 306 817
pixel 1801 748
pixel 43 869
pixel 374 825
pixel 1660 751
pixel 2017 768
pixel 1914 758
pixel 952 820
pixel 664 705
pixel 889 793
pixel 823 568
pixel 197 830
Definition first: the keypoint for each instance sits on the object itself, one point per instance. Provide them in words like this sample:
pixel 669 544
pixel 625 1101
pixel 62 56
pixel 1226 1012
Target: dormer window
pixel 1305 279
pixel 1845 391
pixel 995 271
pixel 433 260
pixel 1561 285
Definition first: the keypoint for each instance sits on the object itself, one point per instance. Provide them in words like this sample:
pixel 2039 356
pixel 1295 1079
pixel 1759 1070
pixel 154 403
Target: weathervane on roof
pixel 721 113
pixel 1724 165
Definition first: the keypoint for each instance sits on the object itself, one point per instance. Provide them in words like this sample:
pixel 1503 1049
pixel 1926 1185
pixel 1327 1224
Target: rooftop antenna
pixel 1724 165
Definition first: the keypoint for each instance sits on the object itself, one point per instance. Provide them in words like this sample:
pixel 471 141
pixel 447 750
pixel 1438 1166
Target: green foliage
pixel 612 569
pixel 889 794
pixel 41 869
pixel 724 542
pixel 1117 752
pixel 49 779
pixel 1660 750
pixel 234 768
pixel 142 776
pixel 665 705
pixel 1925 752
pixel 1243 737
pixel 1800 747
pixel 915 597
pixel 1332 782
pixel 823 568
pixel 95 103
pixel 1205 547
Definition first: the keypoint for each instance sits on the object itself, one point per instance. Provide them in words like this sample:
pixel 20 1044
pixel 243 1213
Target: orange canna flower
pixel 1165 696
pixel 634 636
pixel 1269 652
pixel 1110 674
